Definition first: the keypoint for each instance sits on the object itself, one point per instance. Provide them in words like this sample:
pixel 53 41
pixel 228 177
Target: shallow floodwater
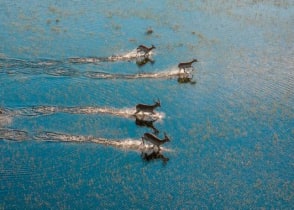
pixel 71 78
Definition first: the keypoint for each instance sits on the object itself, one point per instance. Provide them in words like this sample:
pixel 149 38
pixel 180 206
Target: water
pixel 71 78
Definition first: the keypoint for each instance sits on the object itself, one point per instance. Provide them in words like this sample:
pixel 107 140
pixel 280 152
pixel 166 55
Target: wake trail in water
pixel 48 110
pixel 169 73
pixel 126 144
pixel 59 67
pixel 14 66
pixel 62 68
pixel 12 134
pixel 5 119
pixel 128 56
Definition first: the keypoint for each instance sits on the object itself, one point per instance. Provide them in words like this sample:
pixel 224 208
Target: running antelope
pixel 147 108
pixel 145 49
pixel 154 139
pixel 187 65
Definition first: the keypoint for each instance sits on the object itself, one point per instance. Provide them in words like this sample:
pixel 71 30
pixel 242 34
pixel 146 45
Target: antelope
pixel 154 139
pixel 186 65
pixel 145 49
pixel 147 108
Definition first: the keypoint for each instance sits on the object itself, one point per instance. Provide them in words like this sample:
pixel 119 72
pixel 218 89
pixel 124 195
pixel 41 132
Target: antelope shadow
pixel 142 61
pixel 146 123
pixel 154 155
pixel 186 78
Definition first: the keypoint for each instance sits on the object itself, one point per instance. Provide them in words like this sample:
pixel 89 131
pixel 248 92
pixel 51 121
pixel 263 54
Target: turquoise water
pixel 70 81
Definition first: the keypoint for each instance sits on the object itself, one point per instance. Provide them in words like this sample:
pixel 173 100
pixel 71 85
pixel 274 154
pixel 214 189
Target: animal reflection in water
pixel 147 123
pixel 153 155
pixel 186 78
pixel 141 61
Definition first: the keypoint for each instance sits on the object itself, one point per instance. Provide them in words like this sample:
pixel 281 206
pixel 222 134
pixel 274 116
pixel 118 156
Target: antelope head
pixel 157 103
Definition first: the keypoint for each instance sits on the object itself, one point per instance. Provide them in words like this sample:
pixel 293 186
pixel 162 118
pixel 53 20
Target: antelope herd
pixel 146 109
pixel 149 109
